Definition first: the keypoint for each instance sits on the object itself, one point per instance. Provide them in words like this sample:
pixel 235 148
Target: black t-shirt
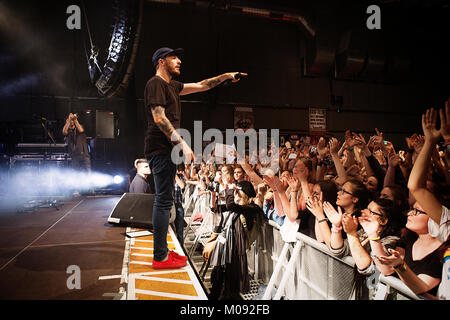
pixel 160 93
pixel 250 211
pixel 430 264
pixel 77 143
pixel 139 185
pixel 150 181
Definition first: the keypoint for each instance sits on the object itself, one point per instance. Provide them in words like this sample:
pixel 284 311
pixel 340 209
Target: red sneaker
pixel 177 256
pixel 170 263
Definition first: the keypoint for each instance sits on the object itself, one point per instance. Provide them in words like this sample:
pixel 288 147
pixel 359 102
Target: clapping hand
pixel 350 224
pixel 294 183
pixel 334 216
pixel 315 205
pixel 262 188
pixel 370 224
pixel 394 260
pixel 269 179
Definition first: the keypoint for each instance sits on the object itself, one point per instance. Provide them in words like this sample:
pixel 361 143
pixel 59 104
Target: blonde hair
pixel 137 161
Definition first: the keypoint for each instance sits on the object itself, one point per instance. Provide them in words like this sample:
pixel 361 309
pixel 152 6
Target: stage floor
pixel 74 253
pixel 46 253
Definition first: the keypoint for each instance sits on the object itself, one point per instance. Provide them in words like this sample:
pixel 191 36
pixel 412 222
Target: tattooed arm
pixel 208 84
pixel 159 116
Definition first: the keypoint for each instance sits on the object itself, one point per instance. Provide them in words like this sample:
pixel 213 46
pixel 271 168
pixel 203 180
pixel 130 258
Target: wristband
pixel 375 239
pixel 335 229
pixel 323 220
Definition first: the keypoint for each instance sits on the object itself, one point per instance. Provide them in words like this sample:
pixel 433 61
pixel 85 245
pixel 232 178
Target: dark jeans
pixel 164 171
pixel 179 222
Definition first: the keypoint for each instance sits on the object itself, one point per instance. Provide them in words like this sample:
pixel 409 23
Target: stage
pixel 74 254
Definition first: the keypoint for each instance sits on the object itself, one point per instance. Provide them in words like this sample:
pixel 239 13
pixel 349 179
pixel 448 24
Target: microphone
pixel 227 82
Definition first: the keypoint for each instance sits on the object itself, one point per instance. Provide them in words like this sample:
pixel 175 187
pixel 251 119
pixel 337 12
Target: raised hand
pixel 393 159
pixel 445 120
pixel 273 182
pixel 278 184
pixel 372 144
pixel 359 140
pixel 350 224
pixel 334 146
pixel 334 216
pixel 322 149
pixel 370 224
pixel 262 188
pixel 353 170
pixel 350 139
pixel 315 205
pixel 376 141
pixel 293 182
pixel 429 120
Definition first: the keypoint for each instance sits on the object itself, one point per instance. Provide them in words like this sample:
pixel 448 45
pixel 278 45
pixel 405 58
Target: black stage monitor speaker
pixel 136 209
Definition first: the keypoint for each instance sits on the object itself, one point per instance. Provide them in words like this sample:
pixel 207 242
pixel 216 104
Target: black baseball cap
pixel 163 52
pixel 247 187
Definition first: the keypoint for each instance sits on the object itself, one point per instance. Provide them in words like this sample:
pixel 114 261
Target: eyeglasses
pixel 375 213
pixel 316 194
pixel 383 196
pixel 416 212
pixel 343 191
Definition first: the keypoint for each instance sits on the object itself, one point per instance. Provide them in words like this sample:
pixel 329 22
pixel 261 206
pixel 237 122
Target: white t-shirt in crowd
pixel 442 230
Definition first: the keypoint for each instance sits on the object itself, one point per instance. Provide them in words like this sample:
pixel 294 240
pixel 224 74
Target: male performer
pixel 139 183
pixel 76 140
pixel 163 108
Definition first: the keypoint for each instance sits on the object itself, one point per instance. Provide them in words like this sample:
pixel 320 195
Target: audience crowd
pixel 385 205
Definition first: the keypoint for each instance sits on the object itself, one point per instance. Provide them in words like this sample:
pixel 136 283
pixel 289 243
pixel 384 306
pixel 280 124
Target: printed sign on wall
pixel 317 120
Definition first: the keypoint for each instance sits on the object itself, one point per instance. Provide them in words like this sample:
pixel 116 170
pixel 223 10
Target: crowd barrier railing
pixel 304 269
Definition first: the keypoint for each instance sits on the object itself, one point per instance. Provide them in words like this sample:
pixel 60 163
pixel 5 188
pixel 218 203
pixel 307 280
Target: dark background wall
pixel 43 70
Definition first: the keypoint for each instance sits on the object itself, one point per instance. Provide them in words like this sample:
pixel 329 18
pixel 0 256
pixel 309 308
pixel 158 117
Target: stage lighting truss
pixel 122 48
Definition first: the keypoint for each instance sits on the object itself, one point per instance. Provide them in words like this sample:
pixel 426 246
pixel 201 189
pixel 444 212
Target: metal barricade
pixel 306 270
pixel 392 288
pixel 302 270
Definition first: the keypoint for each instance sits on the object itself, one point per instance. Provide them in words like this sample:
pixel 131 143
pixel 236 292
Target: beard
pixel 173 71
